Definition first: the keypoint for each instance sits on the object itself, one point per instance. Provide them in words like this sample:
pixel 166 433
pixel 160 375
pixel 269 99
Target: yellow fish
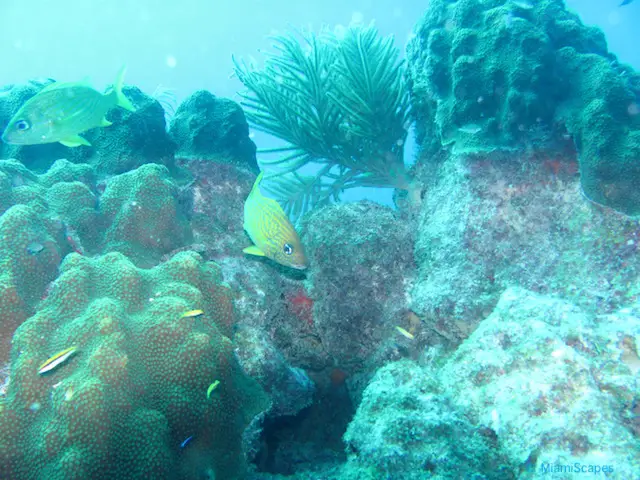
pixel 405 333
pixel 63 110
pixel 192 314
pixel 212 387
pixel 57 360
pixel 271 230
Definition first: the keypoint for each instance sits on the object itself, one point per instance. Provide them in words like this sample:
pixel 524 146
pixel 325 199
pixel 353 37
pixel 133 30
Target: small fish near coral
pixel 211 388
pixel 56 360
pixel 192 314
pixel 63 110
pixel 271 231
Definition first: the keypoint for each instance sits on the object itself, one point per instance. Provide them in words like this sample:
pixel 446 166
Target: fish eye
pixel 22 125
pixel 287 249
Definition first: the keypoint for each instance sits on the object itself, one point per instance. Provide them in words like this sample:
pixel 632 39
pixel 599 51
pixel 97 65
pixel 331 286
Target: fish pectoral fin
pixel 253 250
pixel 75 141
pixel 105 123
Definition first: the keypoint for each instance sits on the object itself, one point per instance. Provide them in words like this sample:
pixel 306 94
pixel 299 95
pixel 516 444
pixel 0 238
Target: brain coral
pixel 488 74
pixel 137 388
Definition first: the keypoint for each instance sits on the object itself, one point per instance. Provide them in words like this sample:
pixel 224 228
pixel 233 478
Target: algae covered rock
pixel 206 127
pixel 214 202
pixel 492 221
pixel 559 387
pixel 361 259
pixel 407 427
pixel 137 387
pixel 541 388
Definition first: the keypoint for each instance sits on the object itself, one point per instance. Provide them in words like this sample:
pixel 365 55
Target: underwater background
pixel 320 240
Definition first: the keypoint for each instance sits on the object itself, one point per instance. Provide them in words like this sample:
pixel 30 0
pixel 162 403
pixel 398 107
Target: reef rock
pixel 361 257
pixel 490 221
pixel 214 201
pixel 206 127
pixel 556 385
pixel 539 388
pixel 486 76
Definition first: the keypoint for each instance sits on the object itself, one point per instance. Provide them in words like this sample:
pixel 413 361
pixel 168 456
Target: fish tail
pixel 121 99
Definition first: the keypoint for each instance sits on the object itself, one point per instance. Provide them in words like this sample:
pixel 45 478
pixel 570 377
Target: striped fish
pixel 192 314
pixel 271 230
pixel 63 110
pixel 57 360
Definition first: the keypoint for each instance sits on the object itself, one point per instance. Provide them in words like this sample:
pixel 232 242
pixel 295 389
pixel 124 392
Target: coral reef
pixel 491 221
pixel 137 388
pixel 489 77
pixel 40 215
pixel 362 262
pixel 555 384
pixel 206 127
pixel 144 216
pixel 134 139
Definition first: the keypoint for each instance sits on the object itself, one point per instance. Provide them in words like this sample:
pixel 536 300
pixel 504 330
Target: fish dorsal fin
pixel 255 190
pixel 58 85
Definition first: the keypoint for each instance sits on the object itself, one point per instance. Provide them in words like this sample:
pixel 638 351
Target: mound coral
pixel 124 405
pixel 143 212
pixel 206 127
pixel 488 76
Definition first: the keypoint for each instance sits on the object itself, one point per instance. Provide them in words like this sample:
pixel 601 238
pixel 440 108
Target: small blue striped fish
pixel 271 230
pixel 63 110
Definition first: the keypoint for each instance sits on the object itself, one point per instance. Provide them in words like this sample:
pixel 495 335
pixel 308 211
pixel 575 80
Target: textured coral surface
pixel 136 389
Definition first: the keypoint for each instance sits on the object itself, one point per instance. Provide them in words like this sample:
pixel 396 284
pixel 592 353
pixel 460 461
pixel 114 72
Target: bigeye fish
pixel 271 230
pixel 63 110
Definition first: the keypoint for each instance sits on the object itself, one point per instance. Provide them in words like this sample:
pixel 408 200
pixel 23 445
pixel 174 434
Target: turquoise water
pixel 337 240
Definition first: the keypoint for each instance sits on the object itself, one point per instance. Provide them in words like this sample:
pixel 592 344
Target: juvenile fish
pixel 63 110
pixel 271 230
pixel 57 360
